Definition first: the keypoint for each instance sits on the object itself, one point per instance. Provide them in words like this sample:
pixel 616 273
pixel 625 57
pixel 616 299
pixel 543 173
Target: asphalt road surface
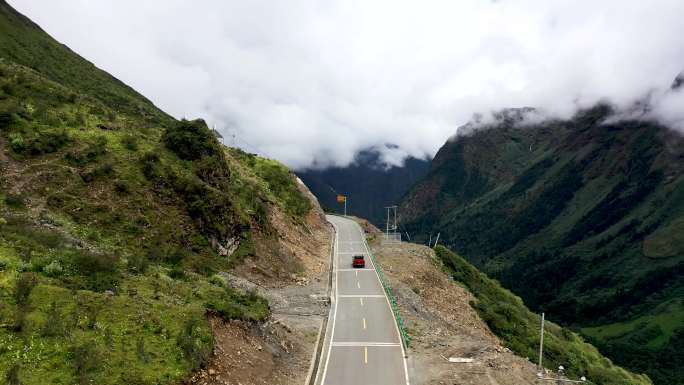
pixel 363 346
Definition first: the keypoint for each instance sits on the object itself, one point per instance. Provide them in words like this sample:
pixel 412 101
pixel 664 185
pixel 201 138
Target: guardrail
pixel 405 337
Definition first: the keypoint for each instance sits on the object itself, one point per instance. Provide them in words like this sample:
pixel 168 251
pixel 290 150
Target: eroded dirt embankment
pixel 291 270
pixel 443 324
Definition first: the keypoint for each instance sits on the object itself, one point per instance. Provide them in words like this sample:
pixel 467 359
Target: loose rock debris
pixel 451 344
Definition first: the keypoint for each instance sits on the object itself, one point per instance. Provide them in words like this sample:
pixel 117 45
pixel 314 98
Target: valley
pixel 138 247
pixel 567 214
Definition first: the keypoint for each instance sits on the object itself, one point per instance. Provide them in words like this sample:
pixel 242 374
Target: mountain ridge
pixel 369 184
pixel 574 216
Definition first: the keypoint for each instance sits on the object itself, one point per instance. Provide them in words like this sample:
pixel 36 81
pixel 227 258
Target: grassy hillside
pixel 114 220
pixel 508 317
pixel 581 218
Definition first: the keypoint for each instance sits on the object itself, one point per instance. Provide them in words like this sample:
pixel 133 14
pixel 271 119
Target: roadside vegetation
pixel 518 328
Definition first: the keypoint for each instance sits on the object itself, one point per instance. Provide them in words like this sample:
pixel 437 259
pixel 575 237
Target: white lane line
pixel 370 344
pixel 365 354
pixel 361 300
pixel 364 324
pixel 361 296
pixel 358 285
pixel 403 352
pixel 332 331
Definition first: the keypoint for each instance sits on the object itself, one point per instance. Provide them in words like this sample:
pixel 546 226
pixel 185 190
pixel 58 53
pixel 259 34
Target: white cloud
pixel 305 81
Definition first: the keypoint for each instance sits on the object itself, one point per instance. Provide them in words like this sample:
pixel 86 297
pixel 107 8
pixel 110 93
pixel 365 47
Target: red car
pixel 358 261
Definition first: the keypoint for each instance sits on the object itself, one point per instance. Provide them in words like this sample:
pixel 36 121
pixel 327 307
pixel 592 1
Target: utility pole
pixel 541 343
pixel 437 240
pixel 393 227
pixel 560 379
pixel 387 224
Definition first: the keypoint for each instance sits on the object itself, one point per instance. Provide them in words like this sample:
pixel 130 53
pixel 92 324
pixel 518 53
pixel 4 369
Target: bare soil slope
pixel 294 279
pixel 442 323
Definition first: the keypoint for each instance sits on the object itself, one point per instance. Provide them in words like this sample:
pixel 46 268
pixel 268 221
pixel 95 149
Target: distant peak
pixel 679 81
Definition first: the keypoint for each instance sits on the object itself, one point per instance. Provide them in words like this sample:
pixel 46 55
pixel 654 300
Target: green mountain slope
pixel 507 316
pixel 581 218
pixel 23 42
pixel 114 219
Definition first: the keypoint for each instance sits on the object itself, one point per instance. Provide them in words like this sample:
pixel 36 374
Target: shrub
pixel 137 264
pixel 12 375
pixel 150 165
pixel 121 187
pixel 6 120
pixel 140 349
pixel 177 273
pixel 8 88
pixel 23 288
pixel 53 269
pixel 99 270
pixel 133 377
pixel 3 264
pixel 130 142
pixel 20 313
pixel 191 140
pixel 85 360
pixel 234 305
pixel 106 169
pixel 196 343
pixel 89 154
pixel 212 169
pixel 93 311
pixel 17 143
pixel 217 280
pixel 53 326
pixel 15 201
pixel 45 142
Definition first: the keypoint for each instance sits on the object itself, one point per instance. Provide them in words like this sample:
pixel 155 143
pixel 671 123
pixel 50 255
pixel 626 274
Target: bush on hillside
pixel 42 143
pixel 191 140
pixel 233 305
pixel 88 154
pixel 6 120
pixel 196 342
pixel 23 288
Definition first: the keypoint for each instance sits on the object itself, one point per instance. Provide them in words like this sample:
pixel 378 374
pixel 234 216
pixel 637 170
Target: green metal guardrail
pixel 405 337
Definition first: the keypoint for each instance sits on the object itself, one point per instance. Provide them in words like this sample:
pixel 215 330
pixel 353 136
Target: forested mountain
pixel 369 184
pixel 583 218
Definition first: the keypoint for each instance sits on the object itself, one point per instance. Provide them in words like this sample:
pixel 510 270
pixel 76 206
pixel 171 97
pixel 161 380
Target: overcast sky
pixel 314 81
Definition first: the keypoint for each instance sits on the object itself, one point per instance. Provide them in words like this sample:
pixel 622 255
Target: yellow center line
pixel 364 324
pixel 365 354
